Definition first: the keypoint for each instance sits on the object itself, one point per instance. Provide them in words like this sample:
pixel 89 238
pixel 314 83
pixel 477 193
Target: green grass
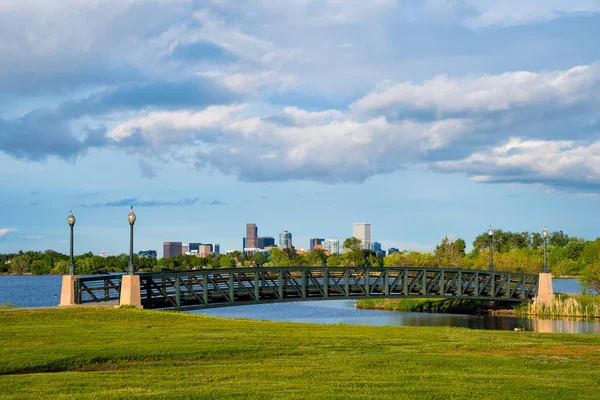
pixel 90 353
pixel 7 305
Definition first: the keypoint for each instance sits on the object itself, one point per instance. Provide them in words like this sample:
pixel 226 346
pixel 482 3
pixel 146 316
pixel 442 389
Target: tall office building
pixel 216 248
pixel 251 236
pixel 204 250
pixel 185 248
pixel 332 246
pixel 316 243
pixel 393 250
pixel 377 249
pixel 266 241
pixel 194 247
pixel 172 249
pixel 285 240
pixel 363 232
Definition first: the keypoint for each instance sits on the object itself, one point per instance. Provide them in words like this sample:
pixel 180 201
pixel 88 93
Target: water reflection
pixel 343 311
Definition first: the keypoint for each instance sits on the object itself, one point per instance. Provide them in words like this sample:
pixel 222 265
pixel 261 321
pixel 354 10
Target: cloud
pixel 33 237
pixel 133 202
pixel 444 96
pixel 561 164
pixel 4 232
pixel 216 203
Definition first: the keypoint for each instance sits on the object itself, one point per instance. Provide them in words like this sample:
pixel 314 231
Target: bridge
pixel 208 288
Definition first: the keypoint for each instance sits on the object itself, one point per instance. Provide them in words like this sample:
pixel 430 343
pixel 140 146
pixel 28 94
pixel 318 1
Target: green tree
pixel 590 276
pixel 279 258
pixel 335 260
pixel 315 258
pixel 40 267
pixel 352 244
pixel 259 258
pixel 227 261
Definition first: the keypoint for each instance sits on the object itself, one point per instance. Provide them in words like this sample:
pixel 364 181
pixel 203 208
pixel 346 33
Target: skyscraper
pixel 172 249
pixel 285 240
pixel 266 241
pixel 362 231
pixel 251 236
pixel 315 243
pixel 377 249
pixel 216 248
pixel 185 248
pixel 332 246
pixel 393 250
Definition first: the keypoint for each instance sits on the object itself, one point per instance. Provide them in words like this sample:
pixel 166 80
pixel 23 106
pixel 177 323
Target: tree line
pixel 512 251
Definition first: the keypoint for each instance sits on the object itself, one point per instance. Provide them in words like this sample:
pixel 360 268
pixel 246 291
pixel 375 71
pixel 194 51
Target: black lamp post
pixel 131 219
pixel 545 236
pixel 71 221
pixel 491 235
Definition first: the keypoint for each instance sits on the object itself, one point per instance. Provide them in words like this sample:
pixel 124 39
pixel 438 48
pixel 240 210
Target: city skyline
pixel 425 119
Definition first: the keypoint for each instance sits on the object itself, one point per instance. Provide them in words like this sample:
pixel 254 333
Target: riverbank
pixel 124 353
pixel 446 306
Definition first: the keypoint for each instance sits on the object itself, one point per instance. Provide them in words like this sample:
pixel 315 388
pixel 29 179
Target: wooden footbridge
pixel 207 288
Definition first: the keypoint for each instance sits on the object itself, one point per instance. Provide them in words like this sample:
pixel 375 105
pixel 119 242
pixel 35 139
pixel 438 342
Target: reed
pixel 562 306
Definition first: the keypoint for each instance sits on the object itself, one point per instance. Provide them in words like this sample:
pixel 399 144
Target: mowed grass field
pixel 99 353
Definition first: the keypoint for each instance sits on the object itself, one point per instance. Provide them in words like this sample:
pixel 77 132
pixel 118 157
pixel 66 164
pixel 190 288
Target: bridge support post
pixel 131 291
pixel 67 291
pixel 545 294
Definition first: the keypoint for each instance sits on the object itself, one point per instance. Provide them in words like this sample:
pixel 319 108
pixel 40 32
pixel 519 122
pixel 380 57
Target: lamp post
pixel 545 236
pixel 491 235
pixel 131 218
pixel 71 221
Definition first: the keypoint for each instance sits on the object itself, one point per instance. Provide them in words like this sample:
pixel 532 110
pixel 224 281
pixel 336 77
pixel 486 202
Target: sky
pixel 424 118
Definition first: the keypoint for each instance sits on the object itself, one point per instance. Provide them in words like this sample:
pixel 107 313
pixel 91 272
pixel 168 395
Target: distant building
pixel 205 250
pixel 185 249
pixel 148 254
pixel 377 249
pixel 332 246
pixel 265 241
pixel 172 249
pixel 393 250
pixel 216 248
pixel 251 236
pixel 316 243
pixel 362 231
pixel 194 247
pixel 285 240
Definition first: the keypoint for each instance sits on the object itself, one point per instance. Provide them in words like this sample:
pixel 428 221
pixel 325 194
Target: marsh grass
pixel 103 353
pixel 563 306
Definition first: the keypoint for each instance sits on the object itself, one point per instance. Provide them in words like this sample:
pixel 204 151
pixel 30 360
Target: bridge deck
pixel 197 289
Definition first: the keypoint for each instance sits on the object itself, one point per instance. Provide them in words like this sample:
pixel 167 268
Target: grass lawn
pixel 90 353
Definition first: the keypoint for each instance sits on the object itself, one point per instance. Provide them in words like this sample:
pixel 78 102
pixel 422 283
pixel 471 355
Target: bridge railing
pixel 97 289
pixel 222 287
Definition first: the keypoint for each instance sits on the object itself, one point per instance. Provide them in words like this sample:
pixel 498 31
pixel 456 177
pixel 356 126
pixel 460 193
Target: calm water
pixel 37 291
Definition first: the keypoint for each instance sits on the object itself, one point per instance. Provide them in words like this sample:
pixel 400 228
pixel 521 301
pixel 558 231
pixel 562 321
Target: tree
pixel 559 239
pixel 315 258
pixel 20 265
pixel 279 258
pixel 40 267
pixel 227 261
pixel 352 244
pixel 335 260
pixel 259 258
pixel 590 276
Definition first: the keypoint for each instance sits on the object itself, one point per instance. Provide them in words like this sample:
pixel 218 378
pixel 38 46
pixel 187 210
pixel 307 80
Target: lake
pixel 39 291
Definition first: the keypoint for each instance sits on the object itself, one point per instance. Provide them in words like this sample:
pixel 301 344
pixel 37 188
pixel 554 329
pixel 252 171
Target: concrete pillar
pixel 131 291
pixel 545 293
pixel 67 291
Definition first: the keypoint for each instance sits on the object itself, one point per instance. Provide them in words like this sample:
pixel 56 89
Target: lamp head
pixel 491 231
pixel 131 217
pixel 545 233
pixel 71 219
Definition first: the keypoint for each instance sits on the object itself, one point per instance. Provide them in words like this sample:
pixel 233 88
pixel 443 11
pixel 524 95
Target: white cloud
pixel 489 93
pixel 6 231
pixel 560 163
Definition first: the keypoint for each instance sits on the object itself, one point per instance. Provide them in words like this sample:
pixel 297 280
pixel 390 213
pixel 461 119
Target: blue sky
pixel 424 118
